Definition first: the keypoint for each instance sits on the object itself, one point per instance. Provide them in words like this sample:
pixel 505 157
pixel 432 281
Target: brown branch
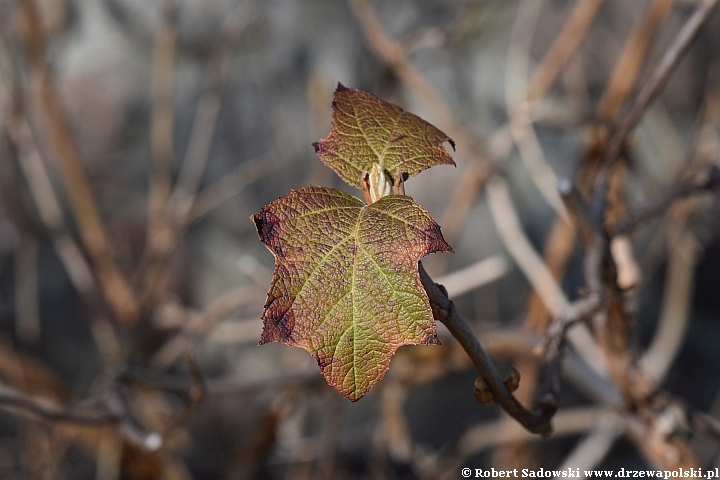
pixel 535 270
pixel 170 212
pixel 675 311
pixel 110 407
pixel 109 410
pixel 598 265
pixel 220 307
pixel 51 215
pixel 208 108
pixel 518 245
pixel 13 400
pixel 561 244
pixel 475 275
pixel 596 444
pixel 708 180
pixel 562 48
pixel 227 187
pixel 115 287
pixel 555 339
pixel 652 88
pixel 631 58
pixel 162 117
pixel 577 311
pixel 702 422
pixel 577 206
pixel 516 90
pixel 444 310
pixel 196 393
pixel 151 272
pixel 569 421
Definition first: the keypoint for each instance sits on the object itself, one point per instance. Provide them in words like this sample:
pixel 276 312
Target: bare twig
pixel 516 242
pixel 707 180
pixel 568 422
pixel 683 253
pixel 474 276
pixel 444 310
pixel 395 425
pixel 517 63
pixel 543 282
pixel 635 384
pixel 520 123
pixel 555 338
pixel 577 206
pixel 35 173
pixel 654 432
pixel 116 289
pixel 27 285
pixel 534 159
pixel 613 97
pixel 109 409
pixel 629 273
pixel 575 312
pixel 657 359
pixel 151 272
pixel 631 58
pixel 543 78
pixel 12 399
pixel 171 315
pixel 162 117
pixel 221 306
pixel 592 449
pixel 558 244
pixel 562 48
pixel 228 187
pixel 51 215
pixel 208 108
pixel 170 212
pixel 109 455
pixel 330 436
pixel 196 393
pixel 652 88
pixel 704 422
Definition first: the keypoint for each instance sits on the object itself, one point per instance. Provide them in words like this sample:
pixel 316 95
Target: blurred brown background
pixel 139 136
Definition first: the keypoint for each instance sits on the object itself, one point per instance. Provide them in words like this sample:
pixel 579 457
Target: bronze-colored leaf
pixel 367 131
pixel 346 285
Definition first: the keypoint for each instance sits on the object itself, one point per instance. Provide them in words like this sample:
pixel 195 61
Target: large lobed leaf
pixel 346 285
pixel 367 131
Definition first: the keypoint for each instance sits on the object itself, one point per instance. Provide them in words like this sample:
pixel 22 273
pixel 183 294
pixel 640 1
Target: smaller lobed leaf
pixel 366 131
pixel 346 285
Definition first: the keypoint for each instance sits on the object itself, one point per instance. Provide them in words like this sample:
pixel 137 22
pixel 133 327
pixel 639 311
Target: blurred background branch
pixel 137 138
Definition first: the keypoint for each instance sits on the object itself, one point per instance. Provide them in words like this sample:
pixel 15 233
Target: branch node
pixel 482 393
pixel 512 381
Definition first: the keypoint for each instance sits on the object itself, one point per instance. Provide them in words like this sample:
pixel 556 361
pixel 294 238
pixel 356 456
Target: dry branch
pixel 160 240
pixel 116 288
pixel 650 90
pixel 444 310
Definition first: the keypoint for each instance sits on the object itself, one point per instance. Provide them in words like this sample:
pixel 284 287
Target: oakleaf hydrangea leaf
pixel 346 285
pixel 366 130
